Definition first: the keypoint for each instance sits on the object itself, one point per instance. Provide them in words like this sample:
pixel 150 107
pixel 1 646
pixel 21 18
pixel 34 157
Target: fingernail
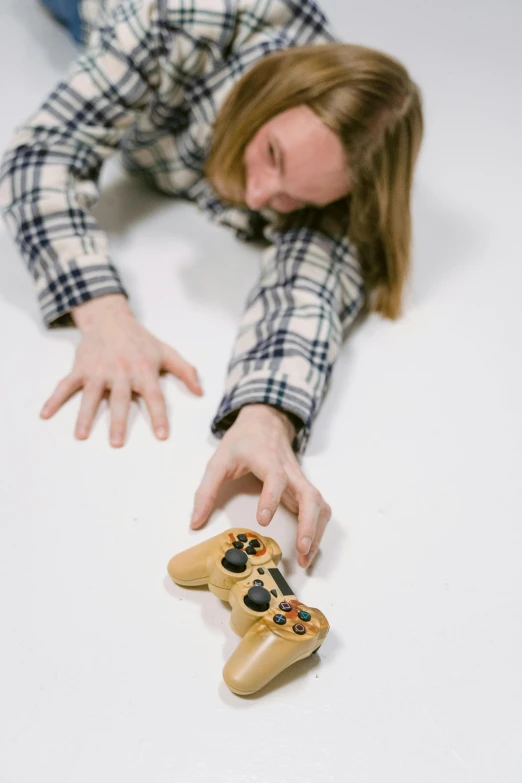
pixel 116 440
pixel 265 516
pixel 44 411
pixel 161 432
pixel 306 543
pixel 194 516
pixel 81 432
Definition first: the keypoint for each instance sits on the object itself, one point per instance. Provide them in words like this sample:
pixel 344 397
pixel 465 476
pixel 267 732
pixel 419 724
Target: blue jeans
pixel 68 13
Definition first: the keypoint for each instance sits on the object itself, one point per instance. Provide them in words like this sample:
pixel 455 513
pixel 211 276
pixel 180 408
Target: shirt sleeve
pixel 309 293
pixel 141 53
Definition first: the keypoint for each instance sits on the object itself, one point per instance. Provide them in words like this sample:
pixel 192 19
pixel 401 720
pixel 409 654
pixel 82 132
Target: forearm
pixel 291 331
pixel 46 192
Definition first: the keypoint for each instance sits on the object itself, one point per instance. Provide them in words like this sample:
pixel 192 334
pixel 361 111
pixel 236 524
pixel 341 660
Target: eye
pixel 271 152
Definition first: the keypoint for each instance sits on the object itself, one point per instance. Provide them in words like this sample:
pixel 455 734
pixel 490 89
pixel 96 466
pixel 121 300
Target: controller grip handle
pixel 193 566
pixel 262 654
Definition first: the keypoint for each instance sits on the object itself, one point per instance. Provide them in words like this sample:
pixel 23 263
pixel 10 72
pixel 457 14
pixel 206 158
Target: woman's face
pixel 295 161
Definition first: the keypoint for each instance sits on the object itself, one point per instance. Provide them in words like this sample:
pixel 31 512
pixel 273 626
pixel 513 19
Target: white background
pixel 111 673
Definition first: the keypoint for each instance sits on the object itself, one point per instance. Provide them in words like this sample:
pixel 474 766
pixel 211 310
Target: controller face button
pixel 235 561
pixel 285 606
pixel 274 593
pixel 242 537
pixel 258 583
pixel 250 550
pixel 299 629
pixel 280 619
pixel 257 599
pixel 238 544
pixel 304 616
pixel 261 571
pixel 255 543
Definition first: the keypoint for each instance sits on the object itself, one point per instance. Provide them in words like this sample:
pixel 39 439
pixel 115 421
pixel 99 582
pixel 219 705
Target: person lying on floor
pixel 258 114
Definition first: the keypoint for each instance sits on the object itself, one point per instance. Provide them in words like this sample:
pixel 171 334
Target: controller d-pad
pixel 255 543
pixel 299 629
pixel 250 550
pixel 242 537
pixel 274 593
pixel 280 619
pixel 285 606
pixel 238 544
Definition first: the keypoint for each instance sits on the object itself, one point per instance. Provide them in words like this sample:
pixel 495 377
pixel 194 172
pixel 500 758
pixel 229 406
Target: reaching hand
pixel 259 441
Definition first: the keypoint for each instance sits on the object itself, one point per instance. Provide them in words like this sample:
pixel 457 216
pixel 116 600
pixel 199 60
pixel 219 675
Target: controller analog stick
pixel 258 599
pixel 235 560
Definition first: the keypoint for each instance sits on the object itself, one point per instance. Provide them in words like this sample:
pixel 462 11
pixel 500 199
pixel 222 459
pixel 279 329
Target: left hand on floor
pixel 260 442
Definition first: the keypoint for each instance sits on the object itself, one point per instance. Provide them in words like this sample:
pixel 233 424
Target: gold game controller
pixel 240 567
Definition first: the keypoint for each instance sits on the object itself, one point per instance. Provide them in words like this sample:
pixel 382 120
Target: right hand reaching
pixel 117 354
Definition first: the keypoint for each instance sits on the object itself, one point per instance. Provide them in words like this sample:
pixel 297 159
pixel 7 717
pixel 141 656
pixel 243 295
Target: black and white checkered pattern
pixel 149 84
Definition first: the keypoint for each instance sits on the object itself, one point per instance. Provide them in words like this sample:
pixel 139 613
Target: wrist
pixel 263 412
pixel 109 306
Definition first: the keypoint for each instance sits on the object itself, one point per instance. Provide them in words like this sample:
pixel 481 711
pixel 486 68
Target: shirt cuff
pixel 277 391
pixel 63 287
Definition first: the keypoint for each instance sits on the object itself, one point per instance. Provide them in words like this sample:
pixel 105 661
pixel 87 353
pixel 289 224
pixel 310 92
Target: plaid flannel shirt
pixel 149 84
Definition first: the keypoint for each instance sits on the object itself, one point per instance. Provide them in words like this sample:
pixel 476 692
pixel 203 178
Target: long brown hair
pixel 369 100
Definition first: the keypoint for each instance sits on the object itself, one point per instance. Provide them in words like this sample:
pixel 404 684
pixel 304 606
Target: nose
pixel 259 192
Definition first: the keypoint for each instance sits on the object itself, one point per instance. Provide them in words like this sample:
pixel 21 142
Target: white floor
pixel 111 673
